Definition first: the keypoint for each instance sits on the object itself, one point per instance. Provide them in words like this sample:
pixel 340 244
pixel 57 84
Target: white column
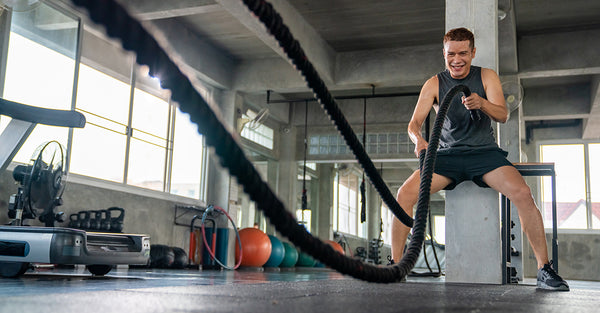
pixel 473 242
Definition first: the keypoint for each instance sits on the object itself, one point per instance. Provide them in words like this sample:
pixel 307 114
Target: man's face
pixel 458 56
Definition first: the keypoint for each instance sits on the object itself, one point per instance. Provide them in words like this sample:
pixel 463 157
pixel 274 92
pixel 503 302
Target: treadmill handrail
pixel 19 111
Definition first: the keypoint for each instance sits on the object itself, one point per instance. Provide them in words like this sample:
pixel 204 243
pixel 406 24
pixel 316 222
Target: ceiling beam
pixel 591 128
pixel 196 55
pixel 160 9
pixel 398 68
pixel 318 51
pixel 556 117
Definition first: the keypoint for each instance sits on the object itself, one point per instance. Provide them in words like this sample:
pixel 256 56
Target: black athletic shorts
pixel 469 166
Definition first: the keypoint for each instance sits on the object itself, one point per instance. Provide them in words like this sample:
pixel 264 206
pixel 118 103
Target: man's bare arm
pixel 426 100
pixel 494 106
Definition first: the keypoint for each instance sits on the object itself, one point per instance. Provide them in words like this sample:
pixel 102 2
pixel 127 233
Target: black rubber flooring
pixel 306 290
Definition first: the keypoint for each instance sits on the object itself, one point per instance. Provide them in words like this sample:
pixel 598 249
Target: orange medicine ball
pixel 256 247
pixel 336 246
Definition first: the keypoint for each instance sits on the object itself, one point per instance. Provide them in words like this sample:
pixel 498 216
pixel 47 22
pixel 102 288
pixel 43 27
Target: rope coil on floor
pixel 135 38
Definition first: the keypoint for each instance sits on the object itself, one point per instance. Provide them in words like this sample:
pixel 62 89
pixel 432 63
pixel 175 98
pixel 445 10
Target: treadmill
pixel 41 189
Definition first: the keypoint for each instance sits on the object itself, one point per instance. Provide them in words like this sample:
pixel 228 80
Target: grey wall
pixel 577 256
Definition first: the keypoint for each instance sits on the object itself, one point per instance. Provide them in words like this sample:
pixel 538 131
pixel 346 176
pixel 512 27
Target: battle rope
pixel 274 24
pixel 135 38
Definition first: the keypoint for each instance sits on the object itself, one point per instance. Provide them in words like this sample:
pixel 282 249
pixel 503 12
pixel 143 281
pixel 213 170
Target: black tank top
pixel 460 133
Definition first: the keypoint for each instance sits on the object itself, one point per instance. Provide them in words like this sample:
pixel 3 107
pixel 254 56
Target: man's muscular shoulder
pixel 431 89
pixel 488 76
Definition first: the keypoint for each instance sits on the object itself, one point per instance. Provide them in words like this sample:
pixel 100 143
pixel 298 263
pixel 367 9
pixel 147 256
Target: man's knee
pixel 407 195
pixel 520 194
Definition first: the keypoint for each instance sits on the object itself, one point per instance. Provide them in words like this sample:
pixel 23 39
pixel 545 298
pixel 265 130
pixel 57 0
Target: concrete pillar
pixel 218 178
pixel 473 246
pixel 473 243
pixel 272 178
pixel 481 17
pixel 323 213
pixel 373 212
pixel 288 169
pixel 313 193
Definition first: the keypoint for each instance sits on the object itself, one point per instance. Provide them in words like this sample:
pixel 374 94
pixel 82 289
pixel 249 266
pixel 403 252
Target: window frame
pixel 165 193
pixel 539 191
pixel 361 230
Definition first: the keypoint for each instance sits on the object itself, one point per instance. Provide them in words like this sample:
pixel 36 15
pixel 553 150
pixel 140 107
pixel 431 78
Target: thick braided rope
pixel 134 38
pixel 274 24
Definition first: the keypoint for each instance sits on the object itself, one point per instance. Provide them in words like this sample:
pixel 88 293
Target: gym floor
pixel 297 290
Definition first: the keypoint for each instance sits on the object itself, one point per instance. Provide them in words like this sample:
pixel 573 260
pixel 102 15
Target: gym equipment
pixel 193 242
pixel 105 222
pixel 222 248
pixel 84 220
pixel 161 256
pixel 211 235
pixel 290 256
pixel 305 260
pixel 304 197
pixel 96 219
pixel 116 223
pixel 210 209
pixel 277 252
pixel 74 220
pixel 256 247
pixel 363 196
pixel 41 186
pixel 336 246
pixel 119 24
pixel 180 258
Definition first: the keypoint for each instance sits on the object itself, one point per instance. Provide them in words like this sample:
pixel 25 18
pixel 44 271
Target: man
pixel 468 150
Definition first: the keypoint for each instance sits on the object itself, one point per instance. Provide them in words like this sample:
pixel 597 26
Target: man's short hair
pixel 460 34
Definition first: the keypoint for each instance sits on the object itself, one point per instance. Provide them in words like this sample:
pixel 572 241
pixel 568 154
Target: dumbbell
pixel 116 223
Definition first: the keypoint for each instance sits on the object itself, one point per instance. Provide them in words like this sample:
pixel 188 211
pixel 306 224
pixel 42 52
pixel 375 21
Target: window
pixel 40 69
pixel 386 222
pixel 188 157
pixel 577 185
pixel 377 143
pixel 346 201
pixel 439 229
pixel 133 134
pixel 304 218
pixel 594 159
pixel 99 148
pixel 148 145
pixel 255 131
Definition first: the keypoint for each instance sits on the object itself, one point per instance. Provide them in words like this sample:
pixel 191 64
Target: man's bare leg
pixel 508 181
pixel 407 197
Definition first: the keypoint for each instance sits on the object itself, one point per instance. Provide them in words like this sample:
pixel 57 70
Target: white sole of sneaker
pixel 542 285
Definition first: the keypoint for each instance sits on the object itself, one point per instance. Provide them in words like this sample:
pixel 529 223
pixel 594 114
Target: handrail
pixel 19 111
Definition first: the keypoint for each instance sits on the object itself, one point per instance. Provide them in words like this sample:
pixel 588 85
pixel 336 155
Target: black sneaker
pixel 548 279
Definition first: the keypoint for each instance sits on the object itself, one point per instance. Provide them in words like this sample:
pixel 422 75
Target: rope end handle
pixel 475 115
